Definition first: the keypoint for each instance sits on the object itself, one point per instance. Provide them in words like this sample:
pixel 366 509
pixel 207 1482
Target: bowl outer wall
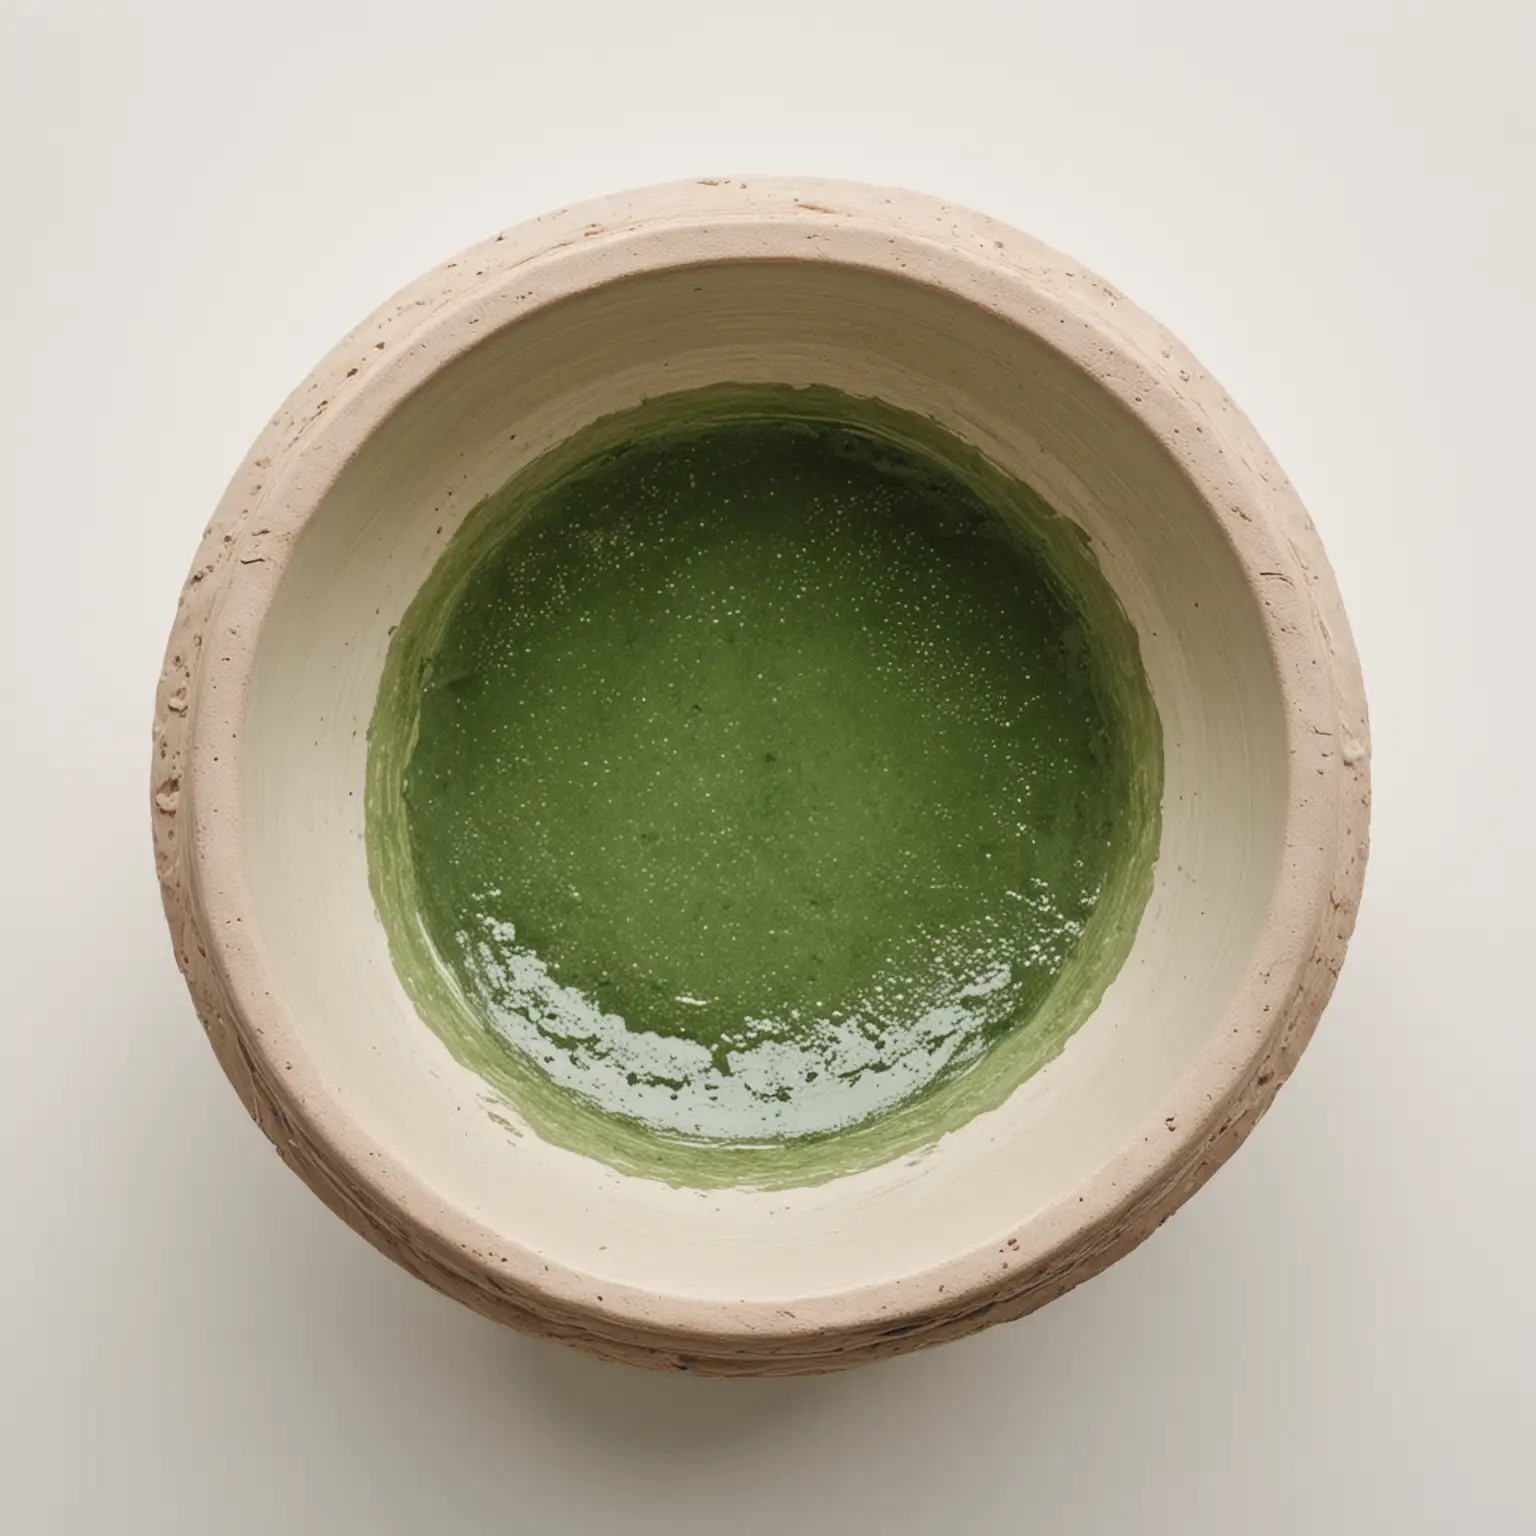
pixel 213 645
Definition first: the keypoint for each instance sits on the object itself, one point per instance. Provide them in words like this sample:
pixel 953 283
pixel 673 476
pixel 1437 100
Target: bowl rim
pixel 201 698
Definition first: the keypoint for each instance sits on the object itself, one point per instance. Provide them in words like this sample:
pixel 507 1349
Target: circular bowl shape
pixel 307 709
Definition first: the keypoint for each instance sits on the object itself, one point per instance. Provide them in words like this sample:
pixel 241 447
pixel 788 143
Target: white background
pixel 1331 202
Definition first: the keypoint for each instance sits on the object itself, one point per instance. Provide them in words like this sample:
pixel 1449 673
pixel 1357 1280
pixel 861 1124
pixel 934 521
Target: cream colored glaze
pixel 442 395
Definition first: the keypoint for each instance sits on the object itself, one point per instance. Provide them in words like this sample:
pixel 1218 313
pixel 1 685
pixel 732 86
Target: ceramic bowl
pixel 344 506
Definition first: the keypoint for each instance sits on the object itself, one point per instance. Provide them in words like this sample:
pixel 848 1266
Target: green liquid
pixel 764 782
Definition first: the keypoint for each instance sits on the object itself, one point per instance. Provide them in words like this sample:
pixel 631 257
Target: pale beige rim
pixel 202 695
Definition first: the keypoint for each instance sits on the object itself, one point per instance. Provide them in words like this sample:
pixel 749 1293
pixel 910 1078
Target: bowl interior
pixel 762 785
pixel 380 531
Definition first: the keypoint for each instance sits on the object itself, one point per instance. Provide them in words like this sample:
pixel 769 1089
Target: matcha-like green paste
pixel 761 787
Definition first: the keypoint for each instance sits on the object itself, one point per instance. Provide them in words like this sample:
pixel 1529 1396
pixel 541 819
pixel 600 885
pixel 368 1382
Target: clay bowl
pixel 345 506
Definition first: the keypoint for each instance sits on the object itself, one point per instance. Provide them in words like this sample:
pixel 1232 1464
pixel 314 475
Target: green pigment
pixel 761 786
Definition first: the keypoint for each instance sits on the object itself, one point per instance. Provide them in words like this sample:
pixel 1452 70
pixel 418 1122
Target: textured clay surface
pixel 1216 1106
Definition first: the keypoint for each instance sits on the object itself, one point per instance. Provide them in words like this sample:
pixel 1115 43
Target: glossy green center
pixel 764 779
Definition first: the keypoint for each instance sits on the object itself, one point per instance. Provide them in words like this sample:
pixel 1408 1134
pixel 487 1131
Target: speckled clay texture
pixel 1144 373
